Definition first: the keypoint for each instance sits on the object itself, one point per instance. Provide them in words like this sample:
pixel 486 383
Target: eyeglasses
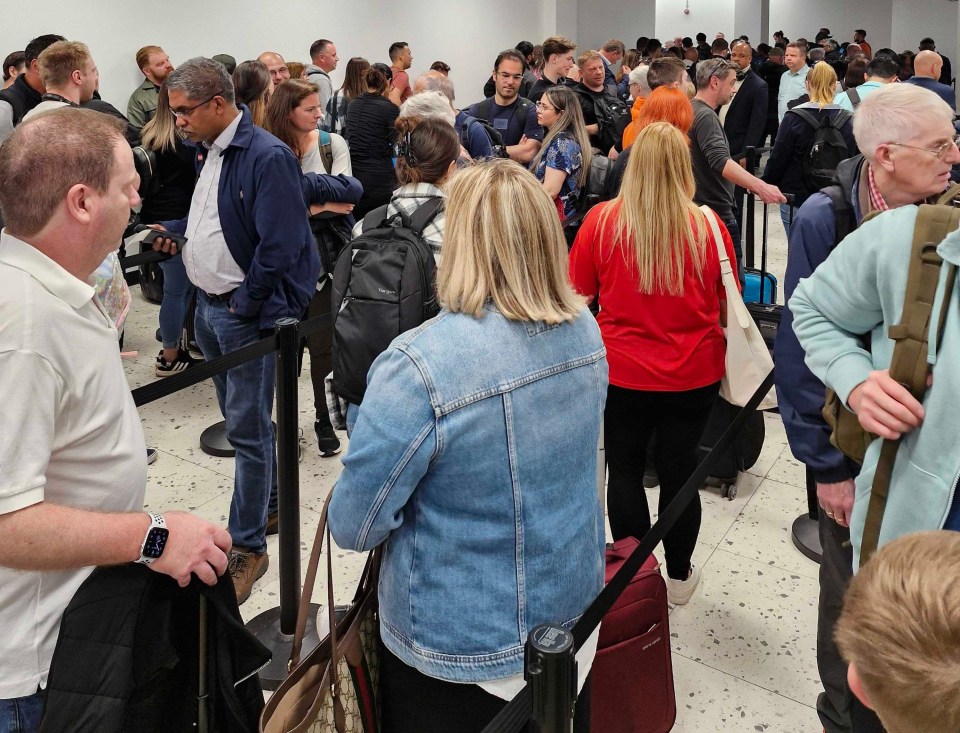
pixel 544 108
pixel 506 77
pixel 941 150
pixel 722 67
pixel 185 113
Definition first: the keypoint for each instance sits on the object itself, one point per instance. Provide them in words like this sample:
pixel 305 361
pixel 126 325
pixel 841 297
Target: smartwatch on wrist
pixel 155 540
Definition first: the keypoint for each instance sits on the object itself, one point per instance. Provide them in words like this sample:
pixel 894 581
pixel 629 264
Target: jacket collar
pixel 243 137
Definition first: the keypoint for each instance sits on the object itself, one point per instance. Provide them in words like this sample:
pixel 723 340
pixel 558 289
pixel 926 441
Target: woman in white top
pixel 292 117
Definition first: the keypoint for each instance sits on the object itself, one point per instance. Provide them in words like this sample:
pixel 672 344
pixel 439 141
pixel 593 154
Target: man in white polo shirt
pixel 72 471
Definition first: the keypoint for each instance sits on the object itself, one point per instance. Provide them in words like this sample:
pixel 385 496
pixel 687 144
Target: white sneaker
pixel 680 591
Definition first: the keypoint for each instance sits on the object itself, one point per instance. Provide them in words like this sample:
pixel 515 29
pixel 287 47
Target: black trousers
pixel 412 702
pixel 839 709
pixel 320 344
pixel 678 418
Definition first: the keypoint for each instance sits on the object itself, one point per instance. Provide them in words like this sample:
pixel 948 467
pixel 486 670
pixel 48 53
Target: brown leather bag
pixel 334 688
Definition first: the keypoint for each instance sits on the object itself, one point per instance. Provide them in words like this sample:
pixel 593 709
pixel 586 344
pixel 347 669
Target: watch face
pixel 155 542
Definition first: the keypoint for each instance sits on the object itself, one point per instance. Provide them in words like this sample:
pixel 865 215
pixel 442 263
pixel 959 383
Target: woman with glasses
pixel 563 161
pixel 650 258
pixel 795 138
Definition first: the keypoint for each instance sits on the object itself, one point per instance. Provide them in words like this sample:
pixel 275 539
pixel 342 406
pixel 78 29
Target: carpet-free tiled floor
pixel 743 648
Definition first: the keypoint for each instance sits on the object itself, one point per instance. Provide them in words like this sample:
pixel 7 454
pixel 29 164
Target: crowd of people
pixel 579 218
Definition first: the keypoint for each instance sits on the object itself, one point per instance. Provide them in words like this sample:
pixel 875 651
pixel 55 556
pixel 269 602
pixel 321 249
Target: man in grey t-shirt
pixel 715 172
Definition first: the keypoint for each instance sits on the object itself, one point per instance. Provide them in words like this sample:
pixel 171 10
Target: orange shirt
pixel 630 134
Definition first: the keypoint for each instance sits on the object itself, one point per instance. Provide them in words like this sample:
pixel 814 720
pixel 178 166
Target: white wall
pixel 709 16
pixel 803 18
pixel 601 20
pixel 466 35
pixel 935 18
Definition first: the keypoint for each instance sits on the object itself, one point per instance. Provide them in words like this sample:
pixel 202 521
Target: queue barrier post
pixel 550 668
pixel 275 627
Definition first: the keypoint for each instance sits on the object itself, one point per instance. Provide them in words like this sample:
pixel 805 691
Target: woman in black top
pixel 371 134
pixel 166 195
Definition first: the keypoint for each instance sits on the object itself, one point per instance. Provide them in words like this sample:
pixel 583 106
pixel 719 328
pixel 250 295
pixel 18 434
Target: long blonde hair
pixel 570 121
pixel 494 250
pixel 653 211
pixel 160 133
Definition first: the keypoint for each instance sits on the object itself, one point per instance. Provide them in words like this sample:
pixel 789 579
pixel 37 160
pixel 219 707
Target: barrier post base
pixel 806 537
pixel 266 627
pixel 213 440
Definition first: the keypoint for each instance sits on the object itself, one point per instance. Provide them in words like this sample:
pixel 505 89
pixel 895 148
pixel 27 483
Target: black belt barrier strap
pixel 515 716
pixel 144 258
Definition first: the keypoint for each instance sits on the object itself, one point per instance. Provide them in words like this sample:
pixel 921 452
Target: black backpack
pixel 383 285
pixel 828 150
pixel 485 108
pixel 613 116
pixel 496 139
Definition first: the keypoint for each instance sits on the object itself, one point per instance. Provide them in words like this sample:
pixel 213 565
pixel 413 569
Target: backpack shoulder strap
pixel 807 116
pixel 854 96
pixel 374 218
pixel 842 118
pixel 424 214
pixel 909 365
pixel 326 150
pixel 483 109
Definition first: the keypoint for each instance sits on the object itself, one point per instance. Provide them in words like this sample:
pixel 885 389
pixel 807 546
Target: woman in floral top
pixel 564 158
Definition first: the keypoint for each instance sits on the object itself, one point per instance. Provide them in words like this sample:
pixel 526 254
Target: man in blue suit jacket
pixel 612 52
pixel 927 66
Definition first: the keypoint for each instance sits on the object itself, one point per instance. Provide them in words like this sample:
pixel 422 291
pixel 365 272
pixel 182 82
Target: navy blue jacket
pixel 944 91
pixel 794 140
pixel 800 395
pixel 610 82
pixel 262 202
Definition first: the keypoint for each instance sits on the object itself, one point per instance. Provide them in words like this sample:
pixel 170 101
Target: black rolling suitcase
pixel 151 277
pixel 742 454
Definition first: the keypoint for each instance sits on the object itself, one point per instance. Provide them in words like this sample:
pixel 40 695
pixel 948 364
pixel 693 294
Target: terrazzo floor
pixel 743 648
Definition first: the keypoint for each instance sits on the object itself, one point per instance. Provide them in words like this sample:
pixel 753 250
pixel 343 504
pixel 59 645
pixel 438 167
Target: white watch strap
pixel 156 521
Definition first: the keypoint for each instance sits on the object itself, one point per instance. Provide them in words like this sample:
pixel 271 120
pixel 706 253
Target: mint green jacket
pixel 859 289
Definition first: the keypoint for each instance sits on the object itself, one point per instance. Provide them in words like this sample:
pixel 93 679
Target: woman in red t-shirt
pixel 649 256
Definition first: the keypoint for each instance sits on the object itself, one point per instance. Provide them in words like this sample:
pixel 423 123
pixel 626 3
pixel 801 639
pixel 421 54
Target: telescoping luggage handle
pixel 515 716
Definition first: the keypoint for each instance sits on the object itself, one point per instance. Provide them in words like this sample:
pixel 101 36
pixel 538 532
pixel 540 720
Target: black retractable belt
pixel 515 716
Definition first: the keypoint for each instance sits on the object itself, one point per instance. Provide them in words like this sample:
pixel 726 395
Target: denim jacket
pixel 474 457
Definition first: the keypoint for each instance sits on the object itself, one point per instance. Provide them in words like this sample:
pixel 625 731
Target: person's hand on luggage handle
pixel 163 245
pixel 194 546
pixel 769 193
pixel 836 500
pixel 885 407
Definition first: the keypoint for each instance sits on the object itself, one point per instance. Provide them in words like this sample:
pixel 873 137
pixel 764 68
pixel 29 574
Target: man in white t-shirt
pixel 72 466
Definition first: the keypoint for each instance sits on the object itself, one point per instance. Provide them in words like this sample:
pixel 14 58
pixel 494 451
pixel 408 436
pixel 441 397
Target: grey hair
pixel 202 78
pixel 817 53
pixel 891 114
pixel 437 83
pixel 706 70
pixel 428 104
pixel 638 76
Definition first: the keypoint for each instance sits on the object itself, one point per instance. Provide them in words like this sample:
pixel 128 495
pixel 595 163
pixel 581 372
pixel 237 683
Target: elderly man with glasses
pixel 715 172
pixel 908 146
pixel 253 258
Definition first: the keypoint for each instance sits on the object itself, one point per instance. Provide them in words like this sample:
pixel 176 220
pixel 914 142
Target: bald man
pixel 927 66
pixel 277 67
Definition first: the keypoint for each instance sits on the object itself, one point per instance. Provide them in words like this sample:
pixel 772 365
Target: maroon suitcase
pixel 632 678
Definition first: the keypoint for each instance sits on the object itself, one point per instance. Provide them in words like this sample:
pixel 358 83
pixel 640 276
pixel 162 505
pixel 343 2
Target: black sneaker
pixel 183 362
pixel 327 440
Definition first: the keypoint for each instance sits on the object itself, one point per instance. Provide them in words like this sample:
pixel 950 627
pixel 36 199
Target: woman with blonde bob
pixel 795 138
pixel 456 454
pixel 650 258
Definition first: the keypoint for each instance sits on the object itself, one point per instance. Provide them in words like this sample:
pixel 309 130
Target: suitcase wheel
pixel 728 491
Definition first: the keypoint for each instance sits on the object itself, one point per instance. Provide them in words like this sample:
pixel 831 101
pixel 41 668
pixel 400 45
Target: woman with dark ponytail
pixel 426 152
pixel 370 134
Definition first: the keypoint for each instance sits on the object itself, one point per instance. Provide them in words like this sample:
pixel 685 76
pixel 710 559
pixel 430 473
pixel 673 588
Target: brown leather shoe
pixel 245 569
pixel 273 523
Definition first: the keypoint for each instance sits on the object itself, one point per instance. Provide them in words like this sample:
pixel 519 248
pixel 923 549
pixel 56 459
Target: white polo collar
pixel 17 253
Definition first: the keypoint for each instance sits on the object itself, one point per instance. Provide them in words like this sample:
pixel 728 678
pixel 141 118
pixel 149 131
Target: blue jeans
pixel 21 714
pixel 787 217
pixel 177 291
pixel 245 394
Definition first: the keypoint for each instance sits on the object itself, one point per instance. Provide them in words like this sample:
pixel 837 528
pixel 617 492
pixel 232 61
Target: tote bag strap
pixel 734 299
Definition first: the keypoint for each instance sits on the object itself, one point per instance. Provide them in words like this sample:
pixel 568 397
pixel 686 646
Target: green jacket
pixel 860 289
pixel 143 104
